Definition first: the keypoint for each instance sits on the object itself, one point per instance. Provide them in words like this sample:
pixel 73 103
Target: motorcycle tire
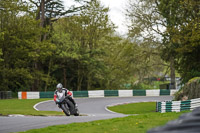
pixel 71 107
pixel 65 109
pixel 76 112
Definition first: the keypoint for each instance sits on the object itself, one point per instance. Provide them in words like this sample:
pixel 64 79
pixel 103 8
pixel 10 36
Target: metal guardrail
pixel 5 94
pixel 186 123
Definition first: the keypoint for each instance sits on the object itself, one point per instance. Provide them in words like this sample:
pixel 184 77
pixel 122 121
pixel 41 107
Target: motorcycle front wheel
pixel 65 109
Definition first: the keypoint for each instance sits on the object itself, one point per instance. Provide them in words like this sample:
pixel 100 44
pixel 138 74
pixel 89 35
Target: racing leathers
pixel 65 92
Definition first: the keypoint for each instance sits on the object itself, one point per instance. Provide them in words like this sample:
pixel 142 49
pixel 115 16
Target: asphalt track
pixel 91 109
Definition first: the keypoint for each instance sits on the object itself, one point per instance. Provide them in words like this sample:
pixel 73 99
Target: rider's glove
pixel 57 101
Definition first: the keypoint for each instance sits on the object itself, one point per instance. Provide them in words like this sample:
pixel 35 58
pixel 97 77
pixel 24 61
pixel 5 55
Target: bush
pixel 191 90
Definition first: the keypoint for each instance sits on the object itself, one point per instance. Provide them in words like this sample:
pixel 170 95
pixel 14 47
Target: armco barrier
pixel 139 92
pixel 28 95
pixel 177 106
pixel 48 94
pixel 5 94
pixel 109 93
pixel 33 95
pixel 80 93
pixel 172 92
pixel 22 95
pixel 152 92
pixel 125 93
pixel 100 93
pixel 164 92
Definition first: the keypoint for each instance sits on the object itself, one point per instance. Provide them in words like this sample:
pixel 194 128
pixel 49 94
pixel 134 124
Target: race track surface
pixel 91 108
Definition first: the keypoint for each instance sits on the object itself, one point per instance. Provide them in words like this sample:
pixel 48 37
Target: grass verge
pixel 24 107
pixel 135 108
pixel 131 124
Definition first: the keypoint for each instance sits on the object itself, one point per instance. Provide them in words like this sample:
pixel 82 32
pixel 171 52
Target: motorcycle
pixel 67 106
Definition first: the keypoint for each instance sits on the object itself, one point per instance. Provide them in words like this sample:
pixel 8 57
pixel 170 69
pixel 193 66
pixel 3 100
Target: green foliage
pixel 177 35
pixel 191 90
pixel 184 35
pixel 195 79
pixel 149 84
pixel 178 95
pixel 32 55
pixel 145 29
pixel 14 32
pixel 78 45
pixel 82 51
pixel 1 55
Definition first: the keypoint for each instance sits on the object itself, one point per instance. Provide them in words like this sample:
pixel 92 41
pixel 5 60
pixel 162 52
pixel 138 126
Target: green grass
pixel 135 108
pixel 131 124
pixel 24 107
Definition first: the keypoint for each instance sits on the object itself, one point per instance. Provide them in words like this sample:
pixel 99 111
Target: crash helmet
pixel 59 87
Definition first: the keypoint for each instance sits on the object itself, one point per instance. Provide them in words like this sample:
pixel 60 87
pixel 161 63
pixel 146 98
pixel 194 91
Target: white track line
pixel 106 107
pixel 40 103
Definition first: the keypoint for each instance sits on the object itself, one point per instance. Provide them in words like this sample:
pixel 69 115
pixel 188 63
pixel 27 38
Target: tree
pixel 16 34
pixel 66 48
pixel 180 35
pixel 48 11
pixel 169 11
pixel 185 35
pixel 96 26
pixel 146 28
pixel 21 47
pixel 82 44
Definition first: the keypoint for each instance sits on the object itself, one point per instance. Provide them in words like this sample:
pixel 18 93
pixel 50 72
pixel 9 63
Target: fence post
pixel 156 106
pixel 5 94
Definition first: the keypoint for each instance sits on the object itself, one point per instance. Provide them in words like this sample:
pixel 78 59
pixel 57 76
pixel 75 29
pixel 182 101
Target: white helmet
pixel 59 87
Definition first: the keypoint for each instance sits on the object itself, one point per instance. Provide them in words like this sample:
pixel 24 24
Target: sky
pixel 116 13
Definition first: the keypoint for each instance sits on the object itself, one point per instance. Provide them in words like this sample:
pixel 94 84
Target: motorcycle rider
pixel 61 90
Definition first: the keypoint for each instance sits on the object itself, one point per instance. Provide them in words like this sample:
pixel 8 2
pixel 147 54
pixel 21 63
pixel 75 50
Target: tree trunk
pixel 80 78
pixel 172 75
pixel 36 79
pixel 64 77
pixel 42 13
pixel 89 82
pixel 48 75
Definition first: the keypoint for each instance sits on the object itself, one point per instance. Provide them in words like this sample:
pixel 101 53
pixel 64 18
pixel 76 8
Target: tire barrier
pixel 5 94
pixel 186 123
pixel 99 93
pixel 177 106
